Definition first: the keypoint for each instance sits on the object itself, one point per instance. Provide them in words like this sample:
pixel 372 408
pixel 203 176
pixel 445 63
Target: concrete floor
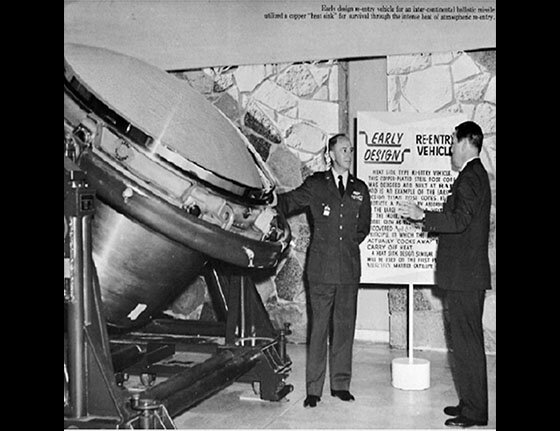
pixel 378 404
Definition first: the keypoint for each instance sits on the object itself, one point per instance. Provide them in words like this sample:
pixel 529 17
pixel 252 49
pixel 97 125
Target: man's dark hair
pixel 333 140
pixel 471 131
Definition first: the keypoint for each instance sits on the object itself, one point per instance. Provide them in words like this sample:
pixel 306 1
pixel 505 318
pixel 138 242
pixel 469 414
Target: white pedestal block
pixel 411 375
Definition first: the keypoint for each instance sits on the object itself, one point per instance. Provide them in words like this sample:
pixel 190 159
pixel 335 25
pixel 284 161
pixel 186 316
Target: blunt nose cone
pixel 177 183
pixel 167 109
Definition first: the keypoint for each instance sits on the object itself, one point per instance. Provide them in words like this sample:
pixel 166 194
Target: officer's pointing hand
pixel 408 209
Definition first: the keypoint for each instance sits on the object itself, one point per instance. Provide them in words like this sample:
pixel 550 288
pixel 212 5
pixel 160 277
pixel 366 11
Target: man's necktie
pixel 340 186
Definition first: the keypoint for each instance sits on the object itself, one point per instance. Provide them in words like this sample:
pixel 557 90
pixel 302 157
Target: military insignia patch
pixel 357 195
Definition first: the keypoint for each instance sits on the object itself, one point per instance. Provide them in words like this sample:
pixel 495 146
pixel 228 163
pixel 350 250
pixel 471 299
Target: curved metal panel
pixel 166 109
pixel 140 272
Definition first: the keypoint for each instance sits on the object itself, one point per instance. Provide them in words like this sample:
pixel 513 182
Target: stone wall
pixel 446 82
pixel 288 112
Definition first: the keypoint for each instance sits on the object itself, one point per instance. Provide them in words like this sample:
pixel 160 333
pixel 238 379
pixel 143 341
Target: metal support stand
pixel 94 375
pixel 153 415
pixel 245 325
pixel 93 394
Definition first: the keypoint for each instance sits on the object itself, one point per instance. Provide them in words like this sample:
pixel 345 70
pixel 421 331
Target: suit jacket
pixel 463 225
pixel 339 225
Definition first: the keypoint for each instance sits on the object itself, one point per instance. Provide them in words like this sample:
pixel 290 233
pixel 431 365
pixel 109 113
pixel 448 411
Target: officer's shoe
pixel 464 422
pixel 343 395
pixel 453 410
pixel 311 401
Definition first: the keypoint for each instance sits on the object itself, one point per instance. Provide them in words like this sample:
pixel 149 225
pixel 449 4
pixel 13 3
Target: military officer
pixel 339 208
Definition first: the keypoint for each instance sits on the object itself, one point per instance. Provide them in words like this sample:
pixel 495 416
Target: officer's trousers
pixel 464 317
pixel 336 304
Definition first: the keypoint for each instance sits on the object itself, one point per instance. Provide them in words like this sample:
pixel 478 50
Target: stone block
pixel 453 108
pixel 405 106
pixel 257 119
pixel 244 99
pixel 485 117
pixel 324 114
pixel 228 105
pixel 472 89
pixel 198 80
pixel 267 289
pixel 291 312
pixel 234 93
pixel 305 137
pixel 486 59
pixel 291 112
pixel 424 299
pixel 322 93
pixel 490 341
pixel 301 297
pixel 490 141
pixel 429 89
pixel 464 67
pixel 401 64
pixel 306 172
pixel 334 94
pixel 193 297
pixel 289 280
pixel 393 93
pixel 269 70
pixel 222 82
pixel 261 145
pixel 302 156
pixel 442 57
pixel 207 313
pixel 321 73
pixel 274 96
pixel 286 168
pixel 280 67
pixel 284 123
pixel 488 159
pixel 317 163
pixel 490 95
pixel 468 109
pixel 301 233
pixel 248 77
pixel 195 314
pixel 269 112
pixel 428 330
pixel 298 80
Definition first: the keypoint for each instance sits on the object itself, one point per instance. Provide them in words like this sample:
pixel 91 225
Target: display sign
pixel 403 156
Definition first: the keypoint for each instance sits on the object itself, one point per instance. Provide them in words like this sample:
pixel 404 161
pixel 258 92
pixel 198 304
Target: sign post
pixel 403 156
pixel 410 323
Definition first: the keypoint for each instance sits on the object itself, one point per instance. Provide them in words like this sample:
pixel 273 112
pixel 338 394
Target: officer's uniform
pixel 339 225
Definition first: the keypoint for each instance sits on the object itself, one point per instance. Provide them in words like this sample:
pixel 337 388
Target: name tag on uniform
pixel 357 195
pixel 326 210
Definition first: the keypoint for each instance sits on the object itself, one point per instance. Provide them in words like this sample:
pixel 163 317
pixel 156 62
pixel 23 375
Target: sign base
pixel 411 375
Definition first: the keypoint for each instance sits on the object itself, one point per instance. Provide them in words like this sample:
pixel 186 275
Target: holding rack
pixel 98 363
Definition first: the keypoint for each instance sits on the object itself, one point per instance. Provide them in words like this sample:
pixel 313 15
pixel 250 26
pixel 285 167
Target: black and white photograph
pixel 280 214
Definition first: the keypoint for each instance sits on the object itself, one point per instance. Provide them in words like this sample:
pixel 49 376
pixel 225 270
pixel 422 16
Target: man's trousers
pixel 464 318
pixel 339 302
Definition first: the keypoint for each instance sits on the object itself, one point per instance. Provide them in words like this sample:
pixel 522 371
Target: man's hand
pixel 410 210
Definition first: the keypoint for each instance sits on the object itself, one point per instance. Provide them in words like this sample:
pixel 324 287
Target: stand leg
pixel 410 323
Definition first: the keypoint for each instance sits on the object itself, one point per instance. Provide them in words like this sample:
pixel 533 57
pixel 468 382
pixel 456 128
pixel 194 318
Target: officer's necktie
pixel 340 186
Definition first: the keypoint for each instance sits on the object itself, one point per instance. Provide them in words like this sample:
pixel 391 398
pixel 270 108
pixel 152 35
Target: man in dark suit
pixel 463 270
pixel 340 210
